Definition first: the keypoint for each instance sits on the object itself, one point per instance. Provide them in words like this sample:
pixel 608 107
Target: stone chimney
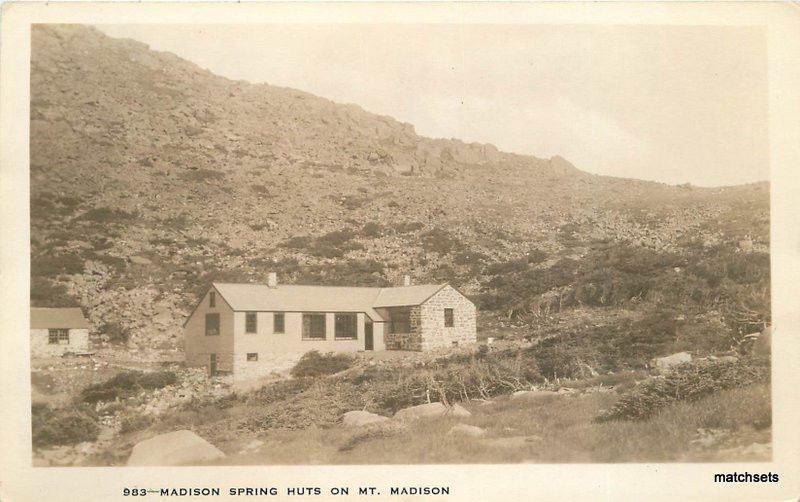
pixel 272 280
pixel 406 280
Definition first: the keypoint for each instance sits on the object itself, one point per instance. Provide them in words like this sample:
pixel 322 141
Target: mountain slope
pixel 151 176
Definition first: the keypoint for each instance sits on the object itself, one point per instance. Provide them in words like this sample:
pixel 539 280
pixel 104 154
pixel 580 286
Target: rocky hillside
pixel 151 176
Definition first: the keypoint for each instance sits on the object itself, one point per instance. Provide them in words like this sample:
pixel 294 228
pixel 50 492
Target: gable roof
pixel 295 298
pixel 44 318
pixel 406 295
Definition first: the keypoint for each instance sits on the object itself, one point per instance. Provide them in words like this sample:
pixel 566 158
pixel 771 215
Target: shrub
pixel 406 227
pixel 202 175
pixel 69 201
pixel 535 256
pixel 56 264
pixel 372 230
pixel 508 267
pixel 337 238
pixel 126 384
pixel 439 241
pixel 281 390
pixel 298 242
pixel 612 347
pixel 688 382
pixel 472 259
pixel 45 293
pixel 331 245
pixel 612 274
pixel 365 272
pixel 102 243
pixel 478 376
pixel 116 332
pixel 314 364
pixel 134 422
pixel 107 215
pixel 115 263
pixel 62 426
pixel 162 241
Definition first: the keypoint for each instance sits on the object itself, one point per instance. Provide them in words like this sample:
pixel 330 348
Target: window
pixel 345 327
pixel 313 326
pixel 448 318
pixel 400 320
pixel 250 322
pixel 212 299
pixel 212 324
pixel 58 336
pixel 278 323
pixel 252 356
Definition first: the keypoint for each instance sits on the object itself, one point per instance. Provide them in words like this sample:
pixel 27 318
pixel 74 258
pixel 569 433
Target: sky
pixel 676 104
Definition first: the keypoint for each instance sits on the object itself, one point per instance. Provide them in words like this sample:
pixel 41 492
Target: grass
pixel 563 423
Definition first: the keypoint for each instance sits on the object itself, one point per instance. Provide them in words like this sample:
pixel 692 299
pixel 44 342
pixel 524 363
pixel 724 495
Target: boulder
pixel 763 344
pixel 174 448
pixel 667 362
pixel 466 430
pixel 140 260
pixel 458 411
pixel 431 410
pixel 252 446
pixel 361 418
pixel 532 394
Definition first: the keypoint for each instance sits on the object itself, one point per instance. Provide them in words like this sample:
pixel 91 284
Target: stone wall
pixel 405 341
pixel 434 333
pixel 40 346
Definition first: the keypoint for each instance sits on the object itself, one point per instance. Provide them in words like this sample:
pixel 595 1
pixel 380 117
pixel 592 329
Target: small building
pixel 252 330
pixel 58 331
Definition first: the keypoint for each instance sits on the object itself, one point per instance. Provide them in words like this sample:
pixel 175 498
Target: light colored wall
pixel 378 335
pixel 278 352
pixel 198 346
pixel 434 333
pixel 78 342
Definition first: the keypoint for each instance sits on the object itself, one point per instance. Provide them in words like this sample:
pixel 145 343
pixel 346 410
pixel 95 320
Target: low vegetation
pixel 551 428
pixel 314 364
pixel 688 382
pixel 127 384
pixel 693 278
pixel 62 426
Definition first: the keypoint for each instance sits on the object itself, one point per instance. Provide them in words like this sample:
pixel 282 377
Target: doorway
pixel 212 365
pixel 368 343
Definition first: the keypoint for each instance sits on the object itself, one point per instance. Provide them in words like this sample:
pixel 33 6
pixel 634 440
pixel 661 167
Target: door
pixel 368 345
pixel 212 365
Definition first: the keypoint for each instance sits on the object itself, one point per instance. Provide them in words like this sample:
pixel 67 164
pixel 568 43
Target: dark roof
pixel 42 318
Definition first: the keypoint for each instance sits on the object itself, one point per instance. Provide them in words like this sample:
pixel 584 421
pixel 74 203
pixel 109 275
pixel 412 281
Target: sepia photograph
pixel 478 251
pixel 398 244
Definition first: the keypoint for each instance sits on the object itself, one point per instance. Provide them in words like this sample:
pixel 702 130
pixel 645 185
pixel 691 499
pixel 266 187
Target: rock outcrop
pixel 174 448
pixel 360 418
pixel 431 410
pixel 466 430
pixel 667 362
